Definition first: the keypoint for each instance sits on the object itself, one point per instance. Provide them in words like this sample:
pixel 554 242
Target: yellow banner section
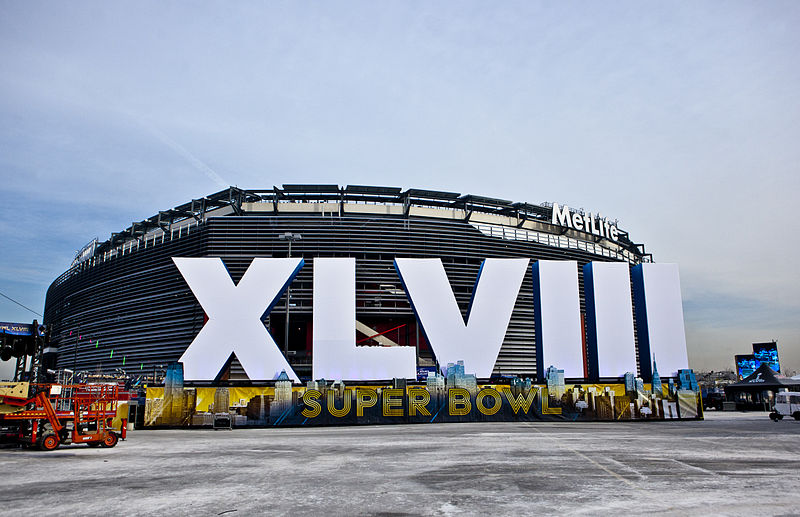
pixel 293 405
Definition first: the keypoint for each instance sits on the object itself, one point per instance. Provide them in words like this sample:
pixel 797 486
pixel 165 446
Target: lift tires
pixel 49 442
pixel 796 415
pixel 110 440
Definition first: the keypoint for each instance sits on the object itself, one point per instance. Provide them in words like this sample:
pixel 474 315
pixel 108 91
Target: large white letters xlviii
pixel 477 342
pixel 234 316
pixel 336 355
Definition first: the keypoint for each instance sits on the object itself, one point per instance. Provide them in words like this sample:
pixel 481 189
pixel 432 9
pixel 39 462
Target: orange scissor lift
pixel 65 413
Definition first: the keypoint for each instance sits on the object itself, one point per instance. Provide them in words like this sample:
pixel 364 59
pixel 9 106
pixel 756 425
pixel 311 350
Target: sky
pixel 679 119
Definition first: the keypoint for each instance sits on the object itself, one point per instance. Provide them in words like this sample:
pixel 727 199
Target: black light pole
pixel 75 356
pixel 291 237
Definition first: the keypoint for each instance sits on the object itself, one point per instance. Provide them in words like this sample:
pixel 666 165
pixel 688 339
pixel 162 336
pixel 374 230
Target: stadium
pixel 123 305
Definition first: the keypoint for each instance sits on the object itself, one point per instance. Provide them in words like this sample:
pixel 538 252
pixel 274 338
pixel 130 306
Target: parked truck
pixel 787 403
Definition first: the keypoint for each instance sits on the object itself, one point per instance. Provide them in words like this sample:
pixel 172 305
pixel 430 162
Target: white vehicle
pixel 787 403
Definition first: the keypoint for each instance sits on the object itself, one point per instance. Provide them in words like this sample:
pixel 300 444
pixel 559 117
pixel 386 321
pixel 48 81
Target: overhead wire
pixel 18 303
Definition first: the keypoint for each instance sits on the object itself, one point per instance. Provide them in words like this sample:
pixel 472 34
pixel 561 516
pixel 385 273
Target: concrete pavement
pixel 729 464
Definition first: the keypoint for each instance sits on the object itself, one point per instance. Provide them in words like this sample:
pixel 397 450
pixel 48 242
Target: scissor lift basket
pixel 65 413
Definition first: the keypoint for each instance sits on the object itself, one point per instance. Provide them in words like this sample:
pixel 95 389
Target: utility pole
pixel 75 356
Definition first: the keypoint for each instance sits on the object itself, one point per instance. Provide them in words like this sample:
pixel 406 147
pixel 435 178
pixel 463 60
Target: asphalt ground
pixel 729 464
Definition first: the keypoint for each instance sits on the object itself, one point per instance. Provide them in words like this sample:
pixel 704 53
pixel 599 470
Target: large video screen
pixel 767 353
pixel 746 365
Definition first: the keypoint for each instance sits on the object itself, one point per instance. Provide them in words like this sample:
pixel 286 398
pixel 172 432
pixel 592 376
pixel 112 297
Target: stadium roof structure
pixel 233 198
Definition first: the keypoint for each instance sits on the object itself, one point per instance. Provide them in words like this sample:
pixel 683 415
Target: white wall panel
pixel 659 313
pixel 609 318
pixel 558 318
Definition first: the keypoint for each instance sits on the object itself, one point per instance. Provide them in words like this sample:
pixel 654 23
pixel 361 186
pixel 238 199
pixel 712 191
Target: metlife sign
pixel 562 216
pixel 235 311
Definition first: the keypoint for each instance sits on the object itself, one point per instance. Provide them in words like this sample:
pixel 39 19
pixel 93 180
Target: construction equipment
pixel 48 415
pixel 29 345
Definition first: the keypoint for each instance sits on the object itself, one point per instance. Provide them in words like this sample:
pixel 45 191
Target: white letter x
pixel 234 316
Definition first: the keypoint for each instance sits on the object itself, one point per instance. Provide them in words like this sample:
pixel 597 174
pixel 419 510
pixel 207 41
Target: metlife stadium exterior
pixel 124 305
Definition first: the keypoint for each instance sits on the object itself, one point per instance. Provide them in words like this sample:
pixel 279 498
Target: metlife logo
pixel 562 216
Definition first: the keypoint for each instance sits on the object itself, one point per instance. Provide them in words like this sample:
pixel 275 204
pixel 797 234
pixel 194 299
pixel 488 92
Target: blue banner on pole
pixel 19 329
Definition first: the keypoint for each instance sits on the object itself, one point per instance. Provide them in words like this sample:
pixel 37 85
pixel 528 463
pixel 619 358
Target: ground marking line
pixel 693 467
pixel 587 458
pixel 625 466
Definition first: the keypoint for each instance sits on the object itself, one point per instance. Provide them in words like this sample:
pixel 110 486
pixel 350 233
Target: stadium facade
pixel 123 303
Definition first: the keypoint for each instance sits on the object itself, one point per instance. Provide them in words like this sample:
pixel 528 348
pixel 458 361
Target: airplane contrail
pixel 185 153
